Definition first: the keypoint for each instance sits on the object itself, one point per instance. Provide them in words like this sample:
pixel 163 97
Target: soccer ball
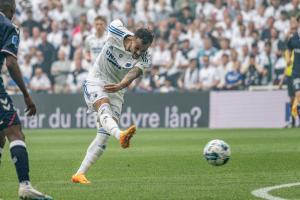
pixel 217 152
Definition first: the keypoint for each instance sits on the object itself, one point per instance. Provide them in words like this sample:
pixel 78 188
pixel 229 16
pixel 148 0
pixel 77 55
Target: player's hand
pixel 111 88
pixel 31 109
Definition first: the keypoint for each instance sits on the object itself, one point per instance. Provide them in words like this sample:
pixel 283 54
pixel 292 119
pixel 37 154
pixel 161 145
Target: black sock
pixel 19 156
pixel 1 151
pixel 293 121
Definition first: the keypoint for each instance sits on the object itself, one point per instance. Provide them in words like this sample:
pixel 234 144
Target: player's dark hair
pixel 145 35
pixel 6 5
pixel 8 8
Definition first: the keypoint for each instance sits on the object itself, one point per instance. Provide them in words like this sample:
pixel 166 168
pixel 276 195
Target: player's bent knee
pixel 100 102
pixel 14 133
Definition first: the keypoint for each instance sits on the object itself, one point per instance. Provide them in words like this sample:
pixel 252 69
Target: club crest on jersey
pixel 128 65
pixel 15 41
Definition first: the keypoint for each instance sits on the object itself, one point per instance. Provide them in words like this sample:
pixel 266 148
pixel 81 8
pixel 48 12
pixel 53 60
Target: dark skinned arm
pixel 16 75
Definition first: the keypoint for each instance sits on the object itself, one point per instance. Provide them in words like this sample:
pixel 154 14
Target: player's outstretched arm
pixel 134 73
pixel 16 75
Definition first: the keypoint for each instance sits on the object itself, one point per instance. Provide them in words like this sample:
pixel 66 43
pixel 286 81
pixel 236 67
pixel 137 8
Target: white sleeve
pixel 116 28
pixel 87 46
pixel 144 62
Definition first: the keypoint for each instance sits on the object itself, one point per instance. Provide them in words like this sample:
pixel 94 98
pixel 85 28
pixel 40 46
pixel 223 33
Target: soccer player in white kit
pixel 123 58
pixel 95 42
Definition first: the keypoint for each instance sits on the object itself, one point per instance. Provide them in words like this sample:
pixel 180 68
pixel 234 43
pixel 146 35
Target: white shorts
pixel 93 91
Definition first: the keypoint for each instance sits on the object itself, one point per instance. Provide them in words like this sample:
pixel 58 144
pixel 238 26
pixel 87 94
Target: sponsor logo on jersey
pixel 111 58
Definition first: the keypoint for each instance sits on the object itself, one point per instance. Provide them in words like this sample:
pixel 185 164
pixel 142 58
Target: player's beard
pixel 135 56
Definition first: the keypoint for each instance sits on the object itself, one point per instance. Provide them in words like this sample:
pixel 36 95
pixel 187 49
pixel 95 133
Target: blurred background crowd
pixel 199 45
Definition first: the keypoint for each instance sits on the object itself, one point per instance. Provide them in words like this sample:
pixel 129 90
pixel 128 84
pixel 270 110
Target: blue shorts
pixel 8 114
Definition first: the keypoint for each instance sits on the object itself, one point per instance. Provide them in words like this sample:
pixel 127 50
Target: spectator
pixel 77 9
pixel 258 16
pixel 25 42
pixel 55 36
pixel 208 50
pixel 293 8
pixel 267 61
pixel 60 70
pixel 266 33
pixel 225 49
pixel 222 70
pixel 36 39
pixel 190 79
pixel 167 87
pixel 144 14
pixel 233 77
pixel 41 62
pixel 26 67
pixel 96 10
pixel 162 11
pixel 208 75
pixel 283 24
pixel 144 85
pixel 47 49
pixel 242 39
pixel 58 14
pixel 67 47
pixel 186 50
pixel 127 13
pixel 40 83
pixel 173 66
pixel 80 32
pixel 30 23
pixel 185 17
pixel 76 77
pixel 161 56
pixel 279 67
pixel 252 72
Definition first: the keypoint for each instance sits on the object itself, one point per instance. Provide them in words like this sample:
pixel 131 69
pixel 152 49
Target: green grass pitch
pixel 161 164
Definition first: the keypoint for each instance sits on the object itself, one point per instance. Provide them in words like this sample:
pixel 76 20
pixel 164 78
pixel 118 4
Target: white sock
pixel 25 184
pixel 94 151
pixel 107 121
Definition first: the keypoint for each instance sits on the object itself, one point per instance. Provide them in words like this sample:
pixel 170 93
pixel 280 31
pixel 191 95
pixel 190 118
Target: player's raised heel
pixel 126 135
pixel 80 178
pixel 27 192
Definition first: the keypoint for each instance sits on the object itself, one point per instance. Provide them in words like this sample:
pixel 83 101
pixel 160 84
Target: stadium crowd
pixel 199 45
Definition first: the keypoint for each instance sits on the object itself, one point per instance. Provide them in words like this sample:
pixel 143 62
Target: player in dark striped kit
pixel 294 46
pixel 10 126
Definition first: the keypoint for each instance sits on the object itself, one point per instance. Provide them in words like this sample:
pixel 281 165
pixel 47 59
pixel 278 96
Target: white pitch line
pixel 263 192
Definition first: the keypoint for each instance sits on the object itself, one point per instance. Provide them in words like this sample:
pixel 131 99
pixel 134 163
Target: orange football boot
pixel 126 135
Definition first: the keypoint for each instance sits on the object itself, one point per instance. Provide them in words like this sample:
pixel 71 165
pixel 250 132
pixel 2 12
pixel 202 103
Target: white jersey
pixel 111 65
pixel 114 62
pixel 94 45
